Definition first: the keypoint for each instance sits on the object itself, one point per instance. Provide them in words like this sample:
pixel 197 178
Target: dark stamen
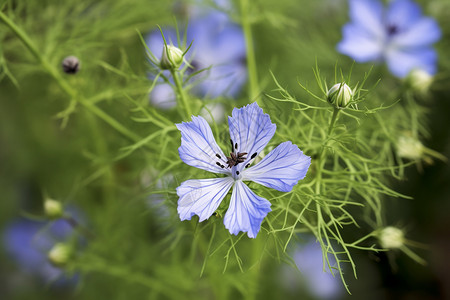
pixel 235 146
pixel 231 141
pixel 248 165
pixel 237 172
pixel 236 158
pixel 218 156
pixel 222 166
pixel 253 155
pixel 218 163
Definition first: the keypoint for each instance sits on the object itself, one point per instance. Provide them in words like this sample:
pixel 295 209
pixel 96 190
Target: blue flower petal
pixel 400 63
pixel 221 81
pixel 218 44
pixel 199 148
pixel 230 45
pixel 205 31
pixel 360 45
pixel 368 14
pixel 201 197
pixel 310 261
pixel 423 33
pixel 281 169
pixel 403 13
pixel 163 96
pixel 246 211
pixel 27 243
pixel 251 130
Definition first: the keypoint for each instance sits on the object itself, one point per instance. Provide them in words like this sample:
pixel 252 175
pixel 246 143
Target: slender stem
pixel 63 83
pixel 256 271
pixel 21 35
pixel 181 93
pixel 96 263
pixel 251 61
pixel 102 150
pixel 321 157
pixel 411 108
pixel 333 121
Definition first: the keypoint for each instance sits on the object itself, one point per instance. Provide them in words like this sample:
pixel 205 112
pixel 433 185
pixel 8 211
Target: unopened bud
pixel 71 65
pixel 53 209
pixel 419 81
pixel 60 254
pixel 391 237
pixel 340 95
pixel 171 58
pixel 409 147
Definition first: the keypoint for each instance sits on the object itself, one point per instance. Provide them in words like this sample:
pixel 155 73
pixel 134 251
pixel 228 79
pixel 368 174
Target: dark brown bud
pixel 71 65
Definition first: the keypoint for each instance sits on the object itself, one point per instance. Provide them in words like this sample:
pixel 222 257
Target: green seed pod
pixel 171 58
pixel 340 95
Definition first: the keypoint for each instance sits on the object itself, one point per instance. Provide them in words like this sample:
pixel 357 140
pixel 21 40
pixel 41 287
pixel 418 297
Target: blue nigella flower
pixel 217 43
pixel 399 35
pixel 250 131
pixel 28 243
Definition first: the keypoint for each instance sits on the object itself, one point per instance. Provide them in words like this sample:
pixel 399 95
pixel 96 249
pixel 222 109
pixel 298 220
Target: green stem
pixel 94 263
pixel 320 165
pixel 102 150
pixel 333 121
pixel 321 157
pixel 181 93
pixel 63 83
pixel 256 270
pixel 21 35
pixel 412 109
pixel 251 61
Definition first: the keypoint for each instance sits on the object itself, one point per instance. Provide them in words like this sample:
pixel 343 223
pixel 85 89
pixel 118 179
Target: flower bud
pixel 409 147
pixel 391 237
pixel 171 58
pixel 53 209
pixel 340 95
pixel 71 65
pixel 419 81
pixel 60 254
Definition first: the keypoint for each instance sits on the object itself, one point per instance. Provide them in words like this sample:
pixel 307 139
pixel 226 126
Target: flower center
pixel 235 157
pixel 392 30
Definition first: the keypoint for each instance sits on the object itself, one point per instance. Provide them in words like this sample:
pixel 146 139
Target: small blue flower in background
pixel 309 260
pixel 399 35
pixel 28 243
pixel 217 43
pixel 250 131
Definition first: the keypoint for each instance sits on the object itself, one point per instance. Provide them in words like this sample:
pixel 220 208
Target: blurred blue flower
pixel 28 243
pixel 399 35
pixel 309 260
pixel 250 131
pixel 218 44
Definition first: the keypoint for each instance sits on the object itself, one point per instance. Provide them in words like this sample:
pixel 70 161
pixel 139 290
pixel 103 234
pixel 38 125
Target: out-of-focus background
pixel 51 147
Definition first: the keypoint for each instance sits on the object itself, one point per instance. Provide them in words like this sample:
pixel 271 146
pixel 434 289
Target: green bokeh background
pixel 37 155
